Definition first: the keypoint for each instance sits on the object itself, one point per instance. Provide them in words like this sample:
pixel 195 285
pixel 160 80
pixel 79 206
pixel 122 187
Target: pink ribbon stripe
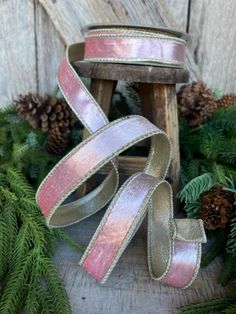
pixel 134 49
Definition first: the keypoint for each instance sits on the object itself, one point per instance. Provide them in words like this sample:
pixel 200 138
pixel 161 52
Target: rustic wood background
pixel 34 33
pixel 33 36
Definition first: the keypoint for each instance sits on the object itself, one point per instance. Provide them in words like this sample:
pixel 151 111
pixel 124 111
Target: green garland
pixel 29 280
pixel 208 158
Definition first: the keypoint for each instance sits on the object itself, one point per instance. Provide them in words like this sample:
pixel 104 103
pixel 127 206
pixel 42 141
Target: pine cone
pixel 41 114
pixel 196 103
pixel 58 138
pixel 217 208
pixel 226 101
pixel 54 118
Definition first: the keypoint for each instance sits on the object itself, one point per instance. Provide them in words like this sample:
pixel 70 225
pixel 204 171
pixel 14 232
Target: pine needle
pixel 216 248
pixel 231 244
pixel 193 189
pixel 206 307
pixel 61 235
pixel 227 270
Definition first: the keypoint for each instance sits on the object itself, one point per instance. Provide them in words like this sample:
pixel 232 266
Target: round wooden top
pixel 131 72
pixel 148 28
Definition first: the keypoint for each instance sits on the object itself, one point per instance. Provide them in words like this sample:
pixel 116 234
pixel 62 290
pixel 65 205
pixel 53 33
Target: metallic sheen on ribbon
pixel 134 46
pixel 174 245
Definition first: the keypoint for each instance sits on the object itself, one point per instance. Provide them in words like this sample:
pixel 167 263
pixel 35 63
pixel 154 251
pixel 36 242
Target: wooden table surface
pixel 129 289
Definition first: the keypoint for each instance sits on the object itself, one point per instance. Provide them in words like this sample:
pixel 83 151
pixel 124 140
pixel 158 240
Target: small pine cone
pixel 28 107
pixel 58 139
pixel 226 101
pixel 42 114
pixel 217 208
pixel 196 103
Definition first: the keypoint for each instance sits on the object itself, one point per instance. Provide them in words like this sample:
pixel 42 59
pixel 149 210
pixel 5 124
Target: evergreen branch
pixel 19 184
pixel 32 303
pixel 56 287
pixel 231 309
pixel 183 173
pixel 10 217
pixel 192 209
pixel 231 244
pixel 228 152
pixel 25 241
pixel 23 244
pixel 193 189
pixel 194 168
pixel 19 150
pixel 4 243
pixel 212 140
pixel 206 307
pixel 45 301
pixel 7 110
pixel 14 287
pixel 227 271
pixel 216 248
pixel 224 119
pixel 220 173
pixel 59 234
pixel 224 305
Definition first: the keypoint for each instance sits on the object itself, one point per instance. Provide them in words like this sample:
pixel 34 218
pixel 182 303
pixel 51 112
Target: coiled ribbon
pixel 174 245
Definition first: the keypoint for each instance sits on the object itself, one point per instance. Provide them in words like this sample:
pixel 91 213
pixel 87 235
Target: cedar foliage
pixel 29 280
pixel 208 158
pixel 226 304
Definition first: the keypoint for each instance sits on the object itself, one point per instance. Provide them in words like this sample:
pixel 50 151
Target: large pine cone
pixel 226 101
pixel 41 113
pixel 217 208
pixel 196 103
pixel 57 139
pixel 54 117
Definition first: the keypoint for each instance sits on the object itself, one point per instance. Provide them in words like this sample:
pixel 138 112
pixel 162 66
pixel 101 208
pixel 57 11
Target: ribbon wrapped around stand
pixel 174 245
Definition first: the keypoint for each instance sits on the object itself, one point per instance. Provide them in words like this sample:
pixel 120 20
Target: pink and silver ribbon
pixel 174 245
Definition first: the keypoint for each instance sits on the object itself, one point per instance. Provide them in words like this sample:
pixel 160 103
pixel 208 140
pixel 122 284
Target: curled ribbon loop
pixel 174 245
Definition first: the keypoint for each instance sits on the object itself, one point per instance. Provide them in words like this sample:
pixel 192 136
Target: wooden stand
pixel 157 89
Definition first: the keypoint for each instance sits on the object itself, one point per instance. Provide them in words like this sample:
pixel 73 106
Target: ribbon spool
pixel 174 245
pixel 134 44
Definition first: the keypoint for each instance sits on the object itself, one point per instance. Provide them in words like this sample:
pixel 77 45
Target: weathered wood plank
pixel 160 105
pixel 213 32
pixel 129 289
pixel 17 53
pixel 102 91
pixel 127 165
pixel 69 16
pixel 50 50
pixel 131 72
pixel 179 11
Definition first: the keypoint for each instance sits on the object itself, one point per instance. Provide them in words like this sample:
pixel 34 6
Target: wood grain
pixel 69 16
pixel 127 165
pixel 50 50
pixel 160 106
pixel 213 31
pixel 129 289
pixel 102 91
pixel 132 73
pixel 32 41
pixel 17 54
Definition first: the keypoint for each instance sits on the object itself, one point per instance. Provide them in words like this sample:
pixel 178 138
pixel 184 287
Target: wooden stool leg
pixel 160 107
pixel 102 91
